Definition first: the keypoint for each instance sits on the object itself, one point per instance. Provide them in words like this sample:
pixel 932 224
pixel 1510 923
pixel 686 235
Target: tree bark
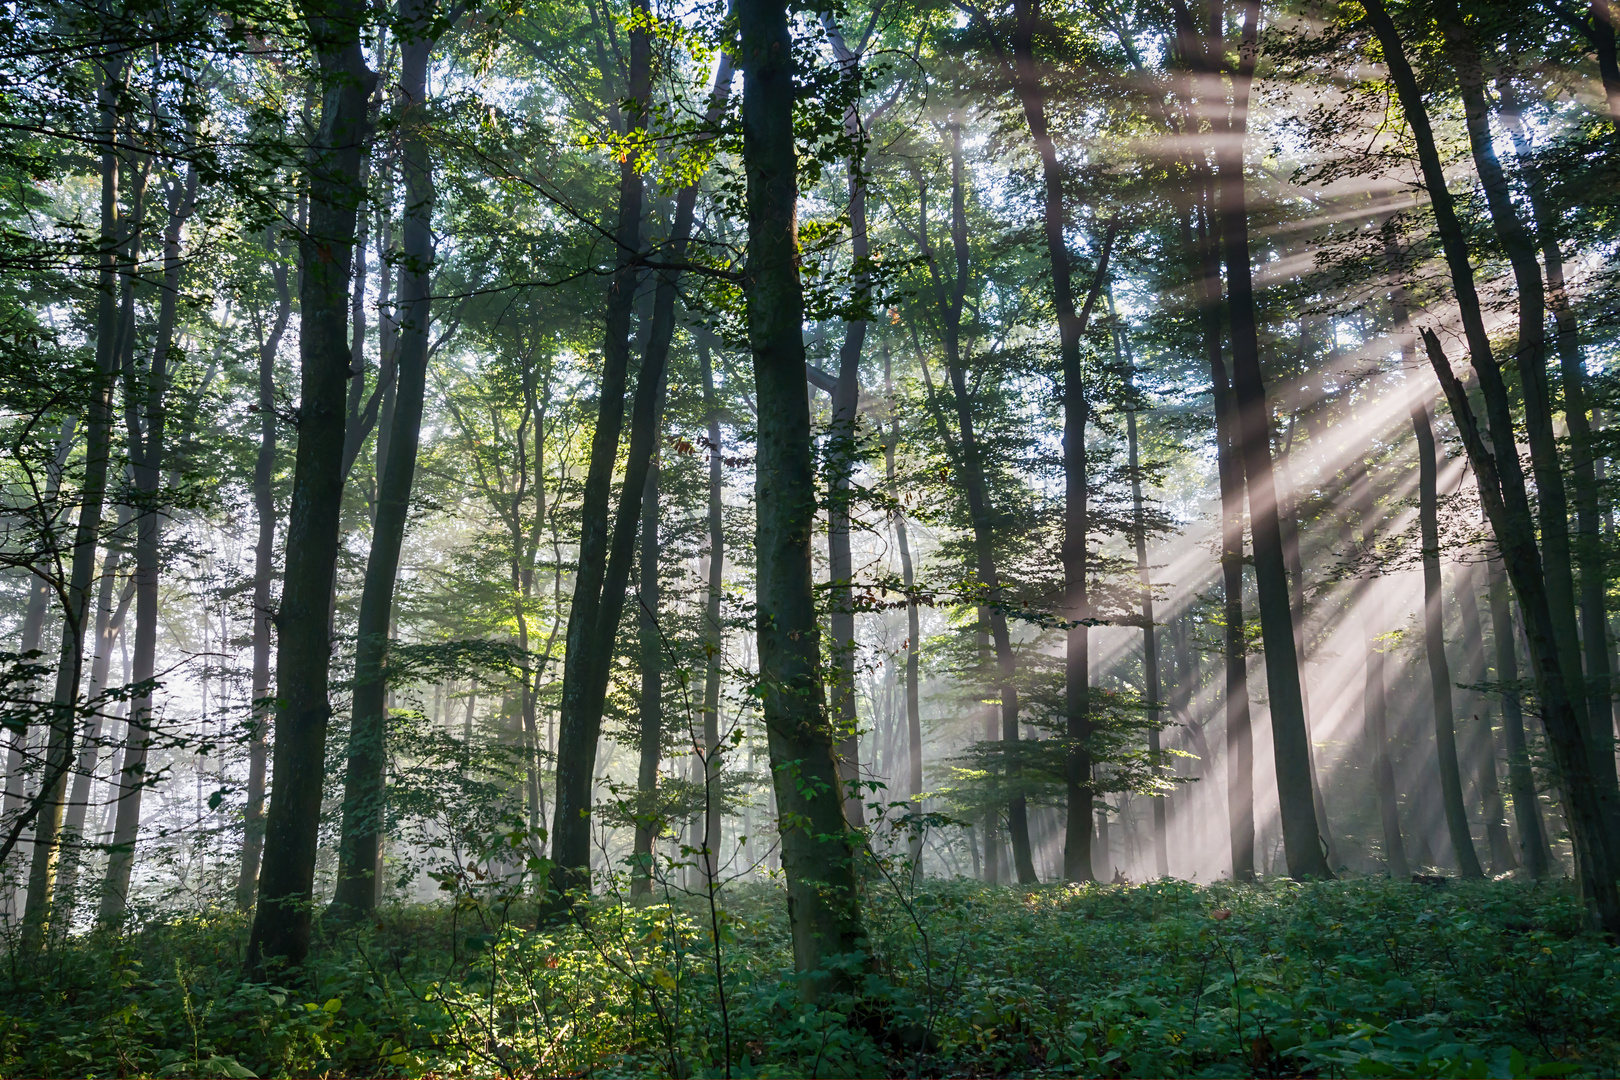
pixel 282 921
pixel 1291 744
pixel 1502 491
pixel 713 633
pixel 908 579
pixel 1076 410
pixel 841 454
pixel 1592 692
pixel 264 571
pixel 48 804
pixel 604 552
pixel 1434 647
pixel 1150 639
pixel 818 850
pixel 1482 746
pixel 1589 554
pixel 1521 779
pixel 365 783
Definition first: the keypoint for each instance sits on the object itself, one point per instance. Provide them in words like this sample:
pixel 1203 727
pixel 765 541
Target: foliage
pixel 1353 978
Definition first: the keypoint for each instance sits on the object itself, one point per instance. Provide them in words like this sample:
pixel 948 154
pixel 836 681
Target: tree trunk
pixel 1291 744
pixel 913 700
pixel 1502 491
pixel 1589 554
pixel 1521 779
pixel 650 708
pixel 282 922
pixel 1150 638
pixel 33 630
pixel 1076 410
pixel 604 554
pixel 48 805
pixel 1482 746
pixel 714 637
pixel 365 784
pixel 818 851
pixel 841 454
pixel 1434 647
pixel 1375 712
pixel 264 570
pixel 1592 693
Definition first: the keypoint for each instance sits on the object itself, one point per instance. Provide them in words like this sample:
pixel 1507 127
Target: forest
pixel 832 538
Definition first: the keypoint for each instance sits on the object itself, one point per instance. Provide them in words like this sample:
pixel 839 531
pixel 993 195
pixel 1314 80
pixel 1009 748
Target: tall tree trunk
pixel 365 784
pixel 650 706
pixel 48 805
pixel 908 579
pixel 1150 637
pixel 1229 469
pixel 1290 743
pixel 1375 711
pixel 1291 528
pixel 1076 410
pixel 1434 647
pixel 110 614
pixel 1520 248
pixel 33 630
pixel 818 851
pixel 1521 778
pixel 1589 554
pixel 1482 746
pixel 1503 493
pixel 146 420
pixel 282 921
pixel 713 635
pixel 841 454
pixel 605 559
pixel 264 570
pixel 604 555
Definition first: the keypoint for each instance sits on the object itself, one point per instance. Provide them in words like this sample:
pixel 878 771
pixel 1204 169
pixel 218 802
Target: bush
pixel 1353 978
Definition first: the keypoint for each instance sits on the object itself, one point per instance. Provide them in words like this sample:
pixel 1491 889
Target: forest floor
pixel 1350 978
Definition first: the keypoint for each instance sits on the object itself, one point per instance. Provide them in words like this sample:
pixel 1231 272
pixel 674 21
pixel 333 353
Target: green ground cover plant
pixel 1338 979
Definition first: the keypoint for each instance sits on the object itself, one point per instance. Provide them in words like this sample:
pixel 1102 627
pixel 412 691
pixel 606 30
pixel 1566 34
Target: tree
pixel 818 852
pixel 282 920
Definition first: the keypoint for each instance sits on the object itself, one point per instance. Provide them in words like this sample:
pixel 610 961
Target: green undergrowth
pixel 1353 978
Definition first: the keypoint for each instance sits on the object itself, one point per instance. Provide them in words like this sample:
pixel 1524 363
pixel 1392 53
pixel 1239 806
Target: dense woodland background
pixel 557 464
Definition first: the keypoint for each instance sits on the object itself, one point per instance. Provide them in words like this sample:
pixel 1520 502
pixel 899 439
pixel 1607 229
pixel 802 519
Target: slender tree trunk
pixel 33 630
pixel 1150 637
pixel 1434 647
pixel 48 805
pixel 264 570
pixel 365 784
pixel 146 419
pixel 1521 778
pixel 110 615
pixel 1291 528
pixel 1483 749
pixel 714 637
pixel 282 921
pixel 1032 94
pixel 650 707
pixel 908 579
pixel 1506 501
pixel 1589 554
pixel 841 455
pixel 1520 248
pixel 1229 468
pixel 1291 744
pixel 818 852
pixel 606 548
